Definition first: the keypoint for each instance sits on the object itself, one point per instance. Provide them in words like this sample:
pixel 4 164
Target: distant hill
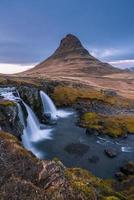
pixel 131 69
pixel 72 59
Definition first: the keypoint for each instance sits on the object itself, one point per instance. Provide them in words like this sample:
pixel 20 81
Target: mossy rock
pixel 68 95
pixel 7 103
pixel 112 198
pixel 113 126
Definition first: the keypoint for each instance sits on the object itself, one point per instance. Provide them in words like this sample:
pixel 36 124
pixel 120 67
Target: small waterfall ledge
pixel 34 131
pixel 49 109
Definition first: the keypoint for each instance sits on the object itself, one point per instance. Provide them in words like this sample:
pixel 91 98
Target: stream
pixel 69 142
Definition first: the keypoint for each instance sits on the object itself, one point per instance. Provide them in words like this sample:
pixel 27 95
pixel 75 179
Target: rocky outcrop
pixel 23 176
pixel 9 118
pixel 31 96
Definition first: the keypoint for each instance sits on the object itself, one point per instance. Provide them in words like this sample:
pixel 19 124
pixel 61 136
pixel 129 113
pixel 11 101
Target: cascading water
pixel 48 106
pixel 50 109
pixel 33 127
pixel 32 132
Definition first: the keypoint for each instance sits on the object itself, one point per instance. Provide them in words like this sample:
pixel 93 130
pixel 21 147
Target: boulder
pixel 110 152
pixel 90 131
pixel 128 168
pixel 120 176
pixel 94 159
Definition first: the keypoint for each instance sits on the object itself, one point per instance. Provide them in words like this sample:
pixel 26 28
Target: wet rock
pixel 120 176
pixel 110 152
pixel 9 118
pixel 90 131
pixel 31 96
pixel 98 106
pixel 109 92
pixel 128 168
pixel 77 148
pixel 94 159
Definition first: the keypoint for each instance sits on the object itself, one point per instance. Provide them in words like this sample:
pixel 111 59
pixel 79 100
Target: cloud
pixel 123 63
pixel 111 54
pixel 105 53
pixel 14 68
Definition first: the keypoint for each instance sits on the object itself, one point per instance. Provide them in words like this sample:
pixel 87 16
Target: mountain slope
pixel 72 59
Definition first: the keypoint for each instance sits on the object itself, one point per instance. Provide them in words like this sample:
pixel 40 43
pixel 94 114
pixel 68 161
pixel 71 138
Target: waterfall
pixel 33 127
pixel 32 132
pixel 48 106
pixel 50 109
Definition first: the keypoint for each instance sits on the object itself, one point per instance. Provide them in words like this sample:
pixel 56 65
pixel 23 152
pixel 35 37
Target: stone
pixel 128 168
pixel 94 159
pixel 120 176
pixel 77 148
pixel 110 152
pixel 90 131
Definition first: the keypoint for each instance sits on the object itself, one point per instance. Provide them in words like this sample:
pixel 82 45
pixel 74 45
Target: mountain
pixel 131 69
pixel 72 59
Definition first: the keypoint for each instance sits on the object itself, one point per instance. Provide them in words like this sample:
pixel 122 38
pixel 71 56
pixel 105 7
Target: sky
pixel 30 30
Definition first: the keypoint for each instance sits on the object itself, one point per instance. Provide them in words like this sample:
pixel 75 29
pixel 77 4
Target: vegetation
pixel 114 126
pixel 87 184
pixel 6 103
pixel 66 96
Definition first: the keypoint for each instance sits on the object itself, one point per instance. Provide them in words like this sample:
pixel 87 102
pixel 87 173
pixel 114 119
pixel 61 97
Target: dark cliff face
pixel 9 118
pixel 31 96
pixel 68 45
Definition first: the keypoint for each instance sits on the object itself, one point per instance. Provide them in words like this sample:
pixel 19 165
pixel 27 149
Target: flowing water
pixel 69 142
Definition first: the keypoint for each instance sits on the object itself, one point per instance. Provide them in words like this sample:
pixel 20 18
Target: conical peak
pixel 70 44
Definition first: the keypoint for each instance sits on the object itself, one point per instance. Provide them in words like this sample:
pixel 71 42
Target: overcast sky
pixel 30 30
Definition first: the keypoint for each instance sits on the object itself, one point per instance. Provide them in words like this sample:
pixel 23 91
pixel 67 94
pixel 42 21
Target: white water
pixel 32 132
pixel 50 109
pixel 33 127
pixel 127 149
pixel 48 105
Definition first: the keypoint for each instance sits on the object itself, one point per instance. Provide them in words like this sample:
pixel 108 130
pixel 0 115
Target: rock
pixel 109 92
pixel 94 159
pixel 128 168
pixel 23 176
pixel 110 152
pixel 31 96
pixel 9 118
pixel 90 131
pixel 120 176
pixel 77 148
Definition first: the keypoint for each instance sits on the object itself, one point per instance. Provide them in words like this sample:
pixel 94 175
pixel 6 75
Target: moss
pixel 13 143
pixel 7 136
pixel 56 159
pixel 66 96
pixel 90 186
pixel 112 198
pixel 113 126
pixel 7 103
pixel 90 120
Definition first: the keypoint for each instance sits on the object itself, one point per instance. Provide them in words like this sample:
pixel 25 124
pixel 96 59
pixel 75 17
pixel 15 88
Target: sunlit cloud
pixel 123 63
pixel 6 68
pixel 105 53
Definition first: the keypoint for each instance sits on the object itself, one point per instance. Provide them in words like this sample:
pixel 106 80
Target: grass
pixel 113 126
pixel 6 103
pixel 87 184
pixel 66 96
